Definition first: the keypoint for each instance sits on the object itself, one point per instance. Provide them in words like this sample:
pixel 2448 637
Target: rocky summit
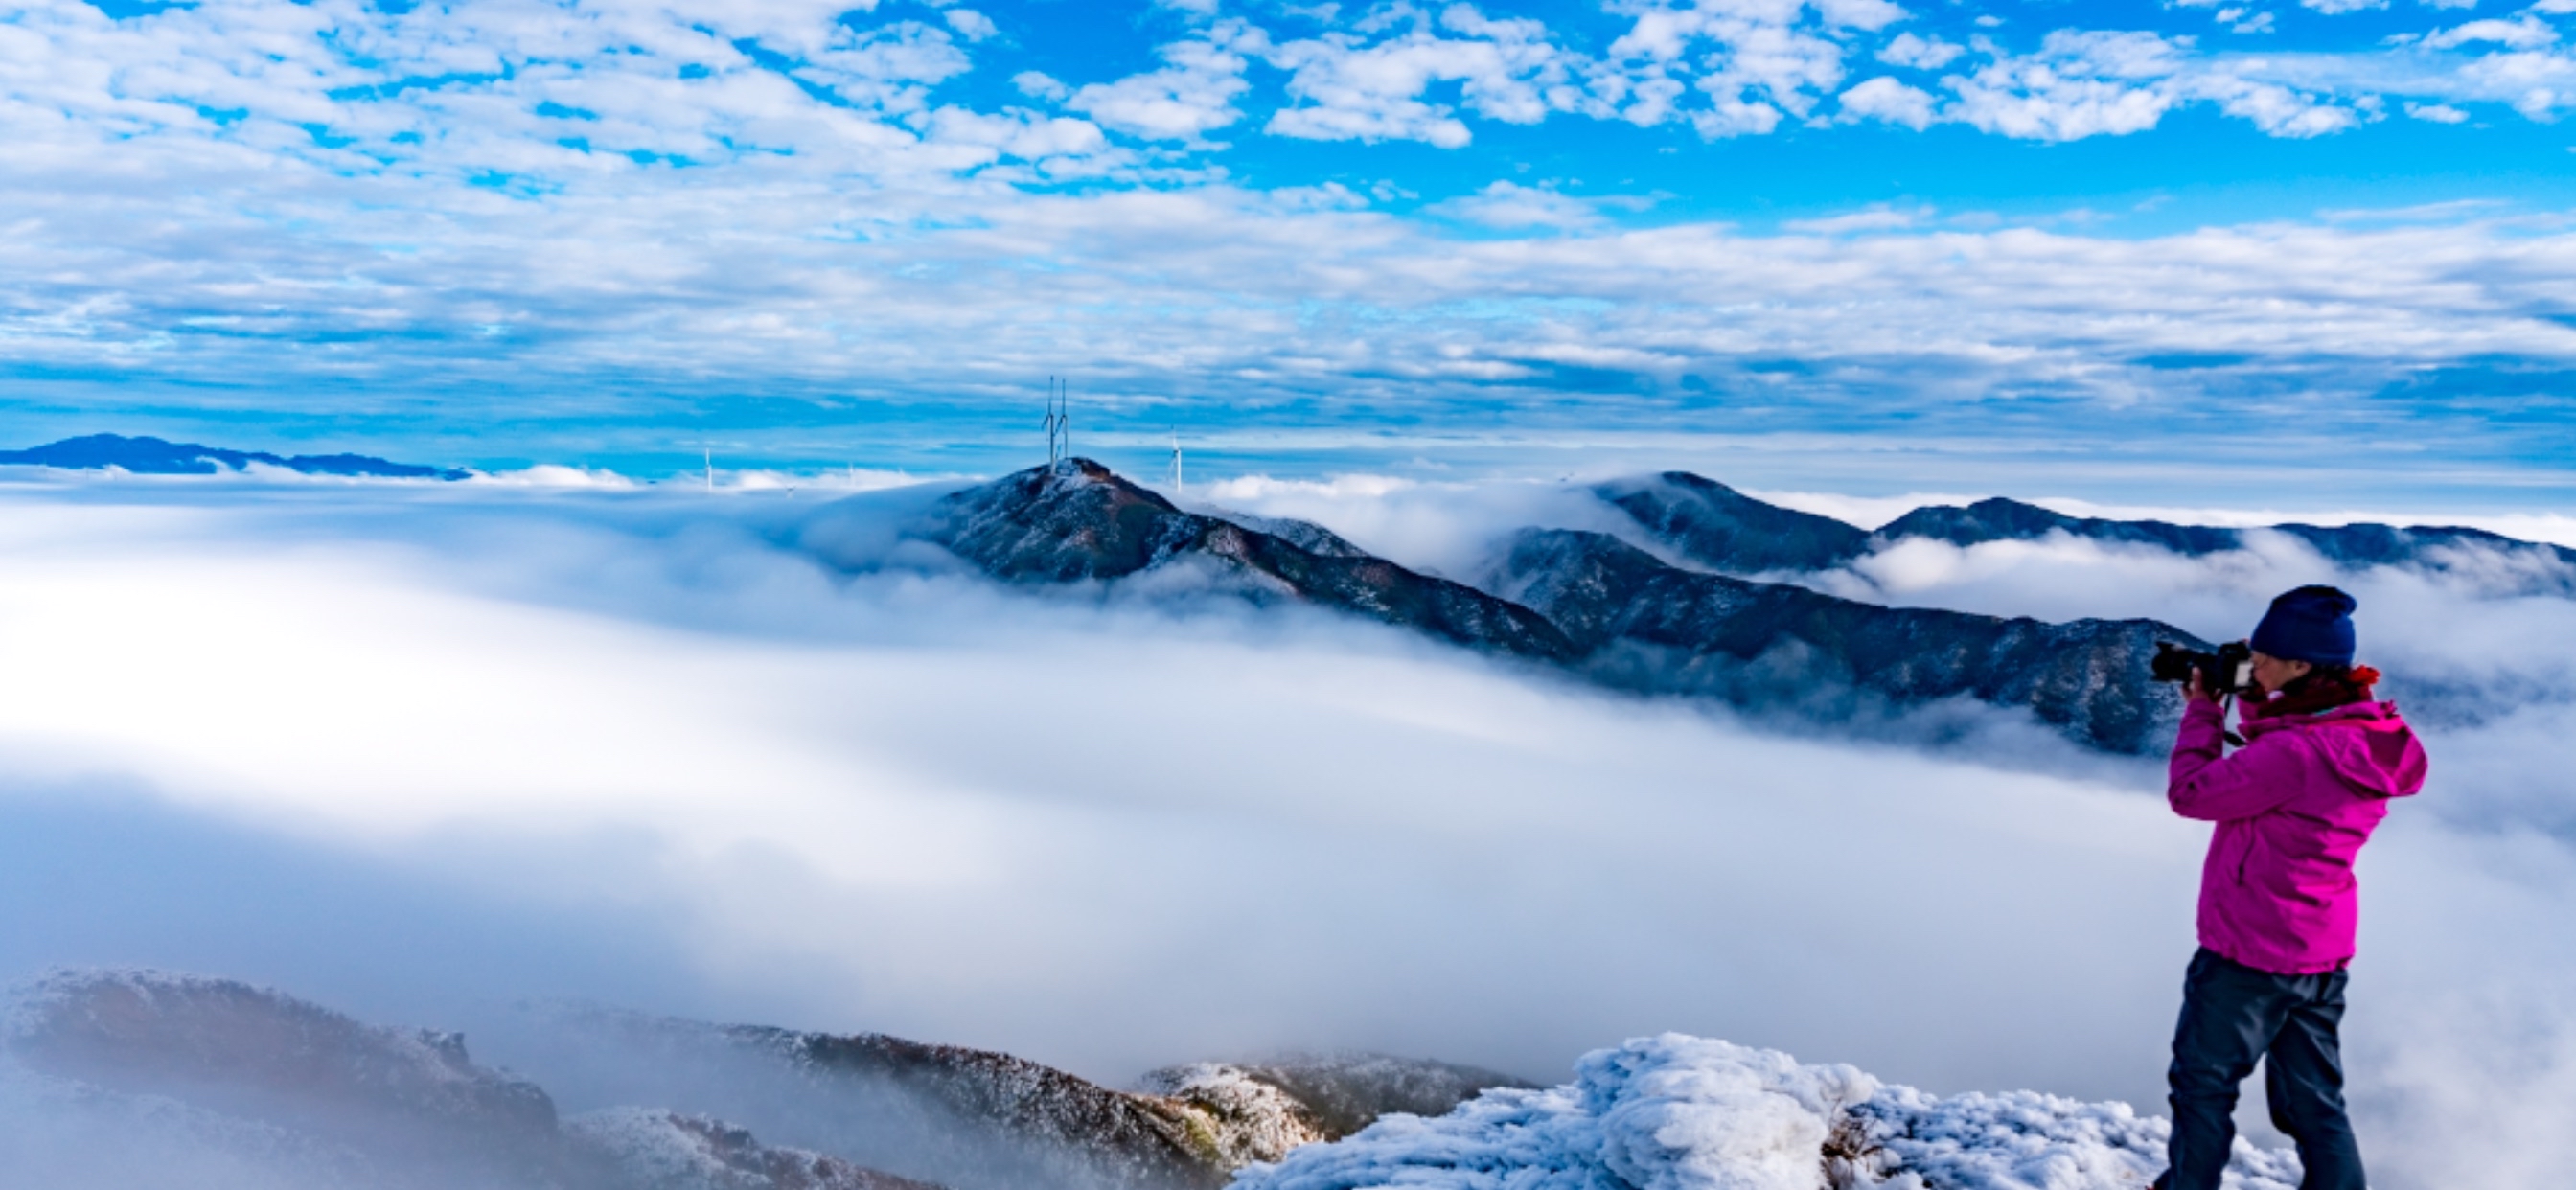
pixel 1652 627
pixel 1725 530
pixel 1077 520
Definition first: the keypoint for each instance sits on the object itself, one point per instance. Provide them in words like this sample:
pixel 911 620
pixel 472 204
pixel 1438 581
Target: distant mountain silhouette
pixel 1080 521
pixel 1715 526
pixel 154 456
pixel 1656 628
pixel 1999 519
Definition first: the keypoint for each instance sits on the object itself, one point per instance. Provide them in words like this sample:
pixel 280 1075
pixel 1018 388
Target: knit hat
pixel 2311 624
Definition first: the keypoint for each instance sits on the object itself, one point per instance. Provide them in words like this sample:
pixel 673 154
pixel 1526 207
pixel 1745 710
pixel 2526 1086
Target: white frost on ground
pixel 1686 1113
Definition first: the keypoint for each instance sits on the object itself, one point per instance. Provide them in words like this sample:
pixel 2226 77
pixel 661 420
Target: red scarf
pixel 2316 692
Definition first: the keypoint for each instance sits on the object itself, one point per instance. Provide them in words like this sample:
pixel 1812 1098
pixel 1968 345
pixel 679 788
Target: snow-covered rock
pixel 1258 1111
pixel 1686 1113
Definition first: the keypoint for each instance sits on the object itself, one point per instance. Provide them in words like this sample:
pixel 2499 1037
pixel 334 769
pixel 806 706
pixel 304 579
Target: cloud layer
pixel 613 230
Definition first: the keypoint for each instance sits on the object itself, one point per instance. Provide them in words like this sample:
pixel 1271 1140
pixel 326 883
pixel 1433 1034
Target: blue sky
pixel 1768 239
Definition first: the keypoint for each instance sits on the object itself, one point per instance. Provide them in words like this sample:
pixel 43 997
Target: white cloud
pixel 2439 113
pixel 2092 84
pixel 2525 33
pixel 2240 20
pixel 1029 137
pixel 1765 58
pixel 1920 53
pixel 2340 7
pixel 1190 96
pixel 1039 85
pixel 1886 99
pixel 969 24
pixel 1347 87
pixel 1506 204
pixel 2076 85
pixel 2277 110
pixel 1875 218
pixel 2535 83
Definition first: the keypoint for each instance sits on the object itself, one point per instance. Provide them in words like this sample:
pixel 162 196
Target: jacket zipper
pixel 2244 857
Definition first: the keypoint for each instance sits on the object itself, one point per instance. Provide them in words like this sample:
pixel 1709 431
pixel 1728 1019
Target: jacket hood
pixel 2367 745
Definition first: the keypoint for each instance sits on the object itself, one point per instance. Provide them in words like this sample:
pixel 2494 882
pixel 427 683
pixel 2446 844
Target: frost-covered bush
pixel 1686 1113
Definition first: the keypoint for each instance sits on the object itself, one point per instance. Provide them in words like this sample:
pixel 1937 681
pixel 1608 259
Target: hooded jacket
pixel 2293 807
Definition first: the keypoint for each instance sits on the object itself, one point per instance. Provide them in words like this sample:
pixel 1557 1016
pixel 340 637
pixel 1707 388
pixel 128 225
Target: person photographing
pixel 2319 762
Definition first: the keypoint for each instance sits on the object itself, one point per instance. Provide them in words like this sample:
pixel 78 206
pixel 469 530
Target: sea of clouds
pixel 418 751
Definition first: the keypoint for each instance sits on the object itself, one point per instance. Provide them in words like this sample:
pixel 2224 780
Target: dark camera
pixel 2230 670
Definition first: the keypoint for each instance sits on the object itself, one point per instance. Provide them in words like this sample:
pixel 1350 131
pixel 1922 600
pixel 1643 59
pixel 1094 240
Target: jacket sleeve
pixel 2206 785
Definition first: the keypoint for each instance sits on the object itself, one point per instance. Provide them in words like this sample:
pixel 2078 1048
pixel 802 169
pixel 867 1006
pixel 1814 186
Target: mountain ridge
pixel 1080 521
pixel 1673 632
pixel 1713 525
pixel 1662 629
pixel 156 456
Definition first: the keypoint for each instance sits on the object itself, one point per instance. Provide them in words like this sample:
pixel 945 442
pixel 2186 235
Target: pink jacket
pixel 2293 808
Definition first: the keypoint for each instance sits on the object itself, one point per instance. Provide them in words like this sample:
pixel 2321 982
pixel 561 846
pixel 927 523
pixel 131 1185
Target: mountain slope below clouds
pixel 1661 629
pixel 1080 521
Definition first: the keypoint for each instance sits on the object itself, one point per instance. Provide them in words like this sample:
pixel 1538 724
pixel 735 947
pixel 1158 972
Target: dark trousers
pixel 2233 1014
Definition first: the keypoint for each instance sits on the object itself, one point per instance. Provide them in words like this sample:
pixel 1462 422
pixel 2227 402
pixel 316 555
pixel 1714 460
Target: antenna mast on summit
pixel 1059 422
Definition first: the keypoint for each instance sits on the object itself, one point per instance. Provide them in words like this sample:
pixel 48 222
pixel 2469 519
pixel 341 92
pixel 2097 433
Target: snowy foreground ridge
pixel 1686 1113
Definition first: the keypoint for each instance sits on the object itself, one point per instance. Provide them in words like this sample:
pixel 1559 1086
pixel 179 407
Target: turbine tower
pixel 1176 460
pixel 1059 423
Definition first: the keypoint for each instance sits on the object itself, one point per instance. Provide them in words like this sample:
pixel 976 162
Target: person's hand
pixel 2197 689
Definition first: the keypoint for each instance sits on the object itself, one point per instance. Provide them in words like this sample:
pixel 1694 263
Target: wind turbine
pixel 1059 422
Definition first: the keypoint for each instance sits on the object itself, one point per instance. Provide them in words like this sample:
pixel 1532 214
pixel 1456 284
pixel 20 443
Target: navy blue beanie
pixel 2311 624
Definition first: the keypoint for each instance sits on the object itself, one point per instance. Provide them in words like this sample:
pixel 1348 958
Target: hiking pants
pixel 2233 1014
